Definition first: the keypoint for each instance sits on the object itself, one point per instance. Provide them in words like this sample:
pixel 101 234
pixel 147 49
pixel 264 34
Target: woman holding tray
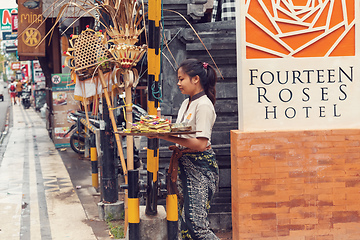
pixel 198 169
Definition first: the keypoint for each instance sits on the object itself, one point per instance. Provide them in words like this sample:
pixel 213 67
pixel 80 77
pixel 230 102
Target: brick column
pixel 296 185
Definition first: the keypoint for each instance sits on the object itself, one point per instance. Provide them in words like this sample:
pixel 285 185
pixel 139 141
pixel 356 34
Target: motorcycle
pixel 25 97
pixel 78 134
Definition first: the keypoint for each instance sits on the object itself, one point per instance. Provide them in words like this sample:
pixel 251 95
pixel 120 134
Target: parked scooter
pixel 78 135
pixel 25 97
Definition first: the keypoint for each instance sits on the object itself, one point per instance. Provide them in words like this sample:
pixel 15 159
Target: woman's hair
pixel 206 73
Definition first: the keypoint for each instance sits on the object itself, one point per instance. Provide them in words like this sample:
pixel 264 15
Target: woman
pixel 198 169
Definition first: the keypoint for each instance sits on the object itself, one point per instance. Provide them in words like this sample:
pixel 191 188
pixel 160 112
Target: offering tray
pixel 154 134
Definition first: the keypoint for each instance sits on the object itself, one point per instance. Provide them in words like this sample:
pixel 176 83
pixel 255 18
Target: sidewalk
pixel 37 197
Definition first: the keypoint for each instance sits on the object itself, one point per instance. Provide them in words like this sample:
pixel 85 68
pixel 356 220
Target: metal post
pixel 94 162
pixel 154 16
pixel 133 205
pixel 109 178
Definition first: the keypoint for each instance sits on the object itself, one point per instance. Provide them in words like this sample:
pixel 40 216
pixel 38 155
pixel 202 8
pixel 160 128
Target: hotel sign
pixel 298 64
pixel 31 29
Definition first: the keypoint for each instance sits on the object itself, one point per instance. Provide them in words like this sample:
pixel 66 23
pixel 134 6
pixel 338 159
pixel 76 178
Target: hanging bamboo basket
pixel 88 53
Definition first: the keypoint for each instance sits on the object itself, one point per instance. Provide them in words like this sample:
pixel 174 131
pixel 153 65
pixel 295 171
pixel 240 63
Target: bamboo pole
pixel 129 139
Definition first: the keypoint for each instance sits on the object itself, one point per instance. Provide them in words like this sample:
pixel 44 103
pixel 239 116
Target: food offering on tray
pixel 150 124
pixel 180 127
pixel 155 124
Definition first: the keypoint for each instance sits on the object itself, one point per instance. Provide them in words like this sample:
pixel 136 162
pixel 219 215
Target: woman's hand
pixel 156 136
pixel 198 144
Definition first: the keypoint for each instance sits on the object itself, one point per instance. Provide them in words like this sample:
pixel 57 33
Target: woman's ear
pixel 196 79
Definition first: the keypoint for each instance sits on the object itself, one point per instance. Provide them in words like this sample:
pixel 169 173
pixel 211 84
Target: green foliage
pixel 6 59
pixel 110 217
pixel 116 228
pixel 2 60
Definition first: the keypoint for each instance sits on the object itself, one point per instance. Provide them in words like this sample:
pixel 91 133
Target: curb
pixel 7 122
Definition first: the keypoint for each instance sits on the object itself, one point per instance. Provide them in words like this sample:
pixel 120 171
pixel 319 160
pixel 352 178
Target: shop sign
pixel 5 15
pixel 63 105
pixel 31 29
pixel 14 22
pixel 298 65
pixel 8 36
pixel 39 77
pixel 25 71
pixel 15 66
pixel 61 81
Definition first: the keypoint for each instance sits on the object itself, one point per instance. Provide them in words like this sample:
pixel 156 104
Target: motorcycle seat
pixel 83 115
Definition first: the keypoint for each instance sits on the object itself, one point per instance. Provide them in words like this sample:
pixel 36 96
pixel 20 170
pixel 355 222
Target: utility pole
pixel 109 177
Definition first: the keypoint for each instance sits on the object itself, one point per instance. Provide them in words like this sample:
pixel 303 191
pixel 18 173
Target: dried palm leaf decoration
pixel 126 17
pixel 92 53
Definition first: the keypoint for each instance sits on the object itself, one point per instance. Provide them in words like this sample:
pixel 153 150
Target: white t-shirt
pixel 200 115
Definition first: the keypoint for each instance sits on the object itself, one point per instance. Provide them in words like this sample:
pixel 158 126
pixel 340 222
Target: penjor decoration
pixel 103 62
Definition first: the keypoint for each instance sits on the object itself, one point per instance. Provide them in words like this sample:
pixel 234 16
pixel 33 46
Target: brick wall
pixel 296 185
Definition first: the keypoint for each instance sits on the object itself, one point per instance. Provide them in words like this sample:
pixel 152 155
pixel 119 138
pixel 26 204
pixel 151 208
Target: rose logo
pixel 300 28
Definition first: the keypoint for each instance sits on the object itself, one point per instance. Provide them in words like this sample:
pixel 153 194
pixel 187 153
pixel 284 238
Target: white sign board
pixel 298 65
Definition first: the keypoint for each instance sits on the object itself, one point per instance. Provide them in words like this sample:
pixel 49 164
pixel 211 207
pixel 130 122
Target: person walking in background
pixel 198 169
pixel 12 91
pixel 19 88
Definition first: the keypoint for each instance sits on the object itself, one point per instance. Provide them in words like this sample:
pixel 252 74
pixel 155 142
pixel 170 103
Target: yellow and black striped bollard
pixel 94 162
pixel 133 205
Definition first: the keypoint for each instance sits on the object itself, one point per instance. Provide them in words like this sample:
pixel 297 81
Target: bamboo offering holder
pixel 88 57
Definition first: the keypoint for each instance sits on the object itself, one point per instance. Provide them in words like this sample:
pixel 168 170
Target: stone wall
pixel 182 43
pixel 300 185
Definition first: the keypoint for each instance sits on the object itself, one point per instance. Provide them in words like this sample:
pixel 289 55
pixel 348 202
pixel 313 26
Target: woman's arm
pixel 198 144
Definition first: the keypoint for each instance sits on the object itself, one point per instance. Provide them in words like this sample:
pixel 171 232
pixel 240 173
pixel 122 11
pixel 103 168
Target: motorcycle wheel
pixel 77 144
pixel 27 105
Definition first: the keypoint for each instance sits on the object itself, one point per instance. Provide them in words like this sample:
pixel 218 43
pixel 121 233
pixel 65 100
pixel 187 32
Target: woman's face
pixel 185 83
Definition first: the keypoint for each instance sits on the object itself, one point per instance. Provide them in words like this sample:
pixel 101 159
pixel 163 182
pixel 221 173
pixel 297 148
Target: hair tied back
pixel 205 65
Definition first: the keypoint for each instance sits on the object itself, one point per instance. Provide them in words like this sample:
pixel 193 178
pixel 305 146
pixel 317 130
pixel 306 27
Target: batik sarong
pixel 198 181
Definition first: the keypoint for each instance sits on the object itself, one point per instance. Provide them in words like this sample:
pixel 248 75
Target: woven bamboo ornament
pixel 127 56
pixel 87 53
pixel 125 33
pixel 124 36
